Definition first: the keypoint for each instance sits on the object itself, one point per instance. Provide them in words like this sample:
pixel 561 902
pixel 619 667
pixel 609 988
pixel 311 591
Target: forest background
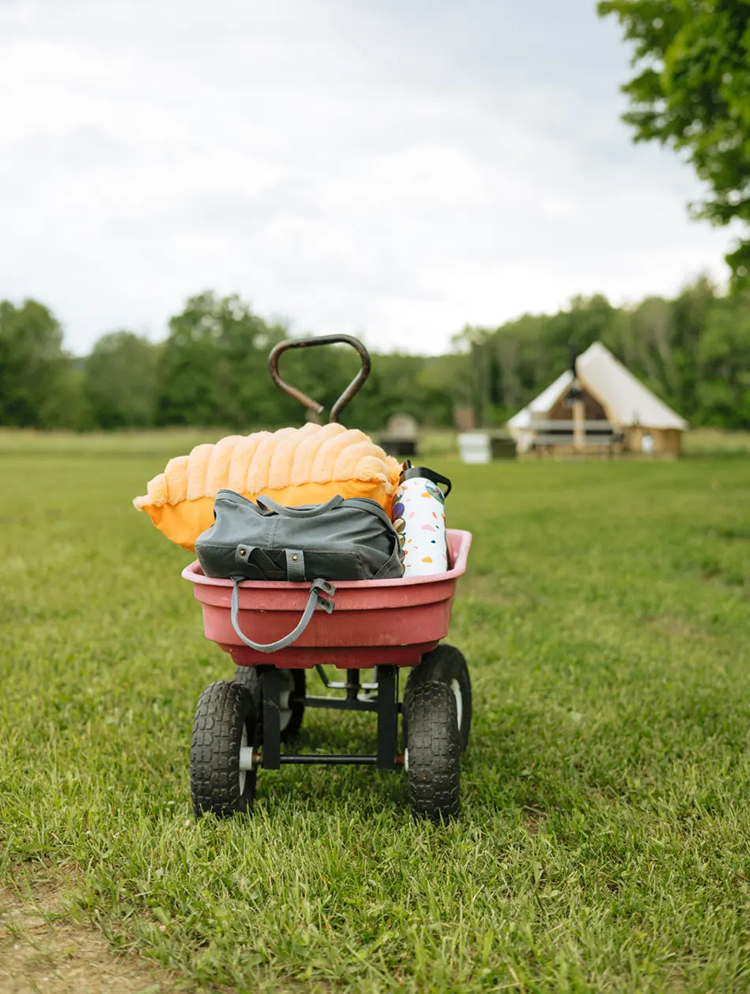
pixel 211 370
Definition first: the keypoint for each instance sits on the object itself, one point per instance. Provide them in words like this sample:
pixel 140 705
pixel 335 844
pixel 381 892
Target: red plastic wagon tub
pixel 374 622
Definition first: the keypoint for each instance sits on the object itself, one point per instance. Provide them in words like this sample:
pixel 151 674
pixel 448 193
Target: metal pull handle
pixel 306 343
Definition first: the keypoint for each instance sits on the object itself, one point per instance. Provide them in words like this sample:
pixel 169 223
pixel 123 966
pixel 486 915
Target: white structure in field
pixel 474 447
pixel 612 406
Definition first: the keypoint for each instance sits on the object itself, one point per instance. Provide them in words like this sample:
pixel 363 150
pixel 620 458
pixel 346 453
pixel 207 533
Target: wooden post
pixel 579 423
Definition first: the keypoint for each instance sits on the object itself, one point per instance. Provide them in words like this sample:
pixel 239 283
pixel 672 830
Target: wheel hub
pixel 456 688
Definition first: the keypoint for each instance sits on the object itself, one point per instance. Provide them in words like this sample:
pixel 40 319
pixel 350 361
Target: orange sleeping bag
pixel 294 466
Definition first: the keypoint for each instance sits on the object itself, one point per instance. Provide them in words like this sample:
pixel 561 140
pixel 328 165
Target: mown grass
pixel 167 442
pixel 603 843
pixel 716 441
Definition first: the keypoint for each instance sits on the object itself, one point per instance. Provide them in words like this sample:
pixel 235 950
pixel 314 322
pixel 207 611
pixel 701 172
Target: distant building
pixel 401 436
pixel 600 404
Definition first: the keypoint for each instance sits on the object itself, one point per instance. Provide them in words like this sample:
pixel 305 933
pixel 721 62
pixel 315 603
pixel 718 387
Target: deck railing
pixel 595 432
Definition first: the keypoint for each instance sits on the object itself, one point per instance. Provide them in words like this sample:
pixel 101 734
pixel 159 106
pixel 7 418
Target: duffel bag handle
pixel 299 512
pixel 321 592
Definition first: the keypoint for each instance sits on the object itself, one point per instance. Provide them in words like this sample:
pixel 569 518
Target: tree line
pixel 693 351
pixel 212 370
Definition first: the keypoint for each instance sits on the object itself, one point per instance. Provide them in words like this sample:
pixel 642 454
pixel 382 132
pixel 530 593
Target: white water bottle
pixel 419 519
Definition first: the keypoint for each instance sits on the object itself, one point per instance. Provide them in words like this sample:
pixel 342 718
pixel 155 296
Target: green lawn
pixel 603 842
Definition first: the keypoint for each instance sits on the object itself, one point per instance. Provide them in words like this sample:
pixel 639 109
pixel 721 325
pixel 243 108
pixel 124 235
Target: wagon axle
pixel 250 760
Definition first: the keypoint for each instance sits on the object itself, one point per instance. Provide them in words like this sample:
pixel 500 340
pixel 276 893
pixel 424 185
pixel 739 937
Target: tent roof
pixel 625 399
pixel 542 403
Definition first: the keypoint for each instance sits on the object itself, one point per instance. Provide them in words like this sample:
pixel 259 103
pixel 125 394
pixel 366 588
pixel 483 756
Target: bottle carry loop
pixel 412 472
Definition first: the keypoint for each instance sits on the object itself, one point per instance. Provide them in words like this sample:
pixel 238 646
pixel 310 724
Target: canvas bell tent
pixel 598 404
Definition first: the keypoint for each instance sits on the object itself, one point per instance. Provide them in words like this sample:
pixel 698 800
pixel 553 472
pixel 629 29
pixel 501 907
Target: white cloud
pixel 392 169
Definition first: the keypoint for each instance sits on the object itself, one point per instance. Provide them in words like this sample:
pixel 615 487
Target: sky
pixel 394 169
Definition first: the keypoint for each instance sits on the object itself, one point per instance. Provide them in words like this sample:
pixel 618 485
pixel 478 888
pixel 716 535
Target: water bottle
pixel 419 519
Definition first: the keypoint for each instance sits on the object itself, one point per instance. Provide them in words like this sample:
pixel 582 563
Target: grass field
pixel 603 842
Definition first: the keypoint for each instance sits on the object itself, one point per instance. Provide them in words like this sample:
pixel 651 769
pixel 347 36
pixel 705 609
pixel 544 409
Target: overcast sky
pixel 394 168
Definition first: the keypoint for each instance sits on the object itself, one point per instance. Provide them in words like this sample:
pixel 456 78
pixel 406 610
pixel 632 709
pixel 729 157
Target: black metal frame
pixel 382 699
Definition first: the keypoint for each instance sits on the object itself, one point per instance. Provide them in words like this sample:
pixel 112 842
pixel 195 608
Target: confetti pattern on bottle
pixel 419 520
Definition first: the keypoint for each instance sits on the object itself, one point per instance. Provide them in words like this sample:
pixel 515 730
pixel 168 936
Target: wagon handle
pixel 305 343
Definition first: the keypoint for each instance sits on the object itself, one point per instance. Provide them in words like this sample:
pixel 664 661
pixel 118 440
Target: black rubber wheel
pixel 433 752
pixel 224 724
pixel 445 664
pixel 290 718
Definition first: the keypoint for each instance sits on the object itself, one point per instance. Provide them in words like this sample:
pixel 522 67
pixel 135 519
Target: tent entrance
pixel 557 426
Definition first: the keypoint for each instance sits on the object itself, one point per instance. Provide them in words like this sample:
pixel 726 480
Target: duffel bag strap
pixel 321 592
pixel 295 565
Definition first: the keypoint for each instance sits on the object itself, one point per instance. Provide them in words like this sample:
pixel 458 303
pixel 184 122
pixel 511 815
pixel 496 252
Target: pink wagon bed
pixel 379 625
pixel 375 622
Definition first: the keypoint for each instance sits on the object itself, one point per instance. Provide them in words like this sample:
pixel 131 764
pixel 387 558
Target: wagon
pixel 380 625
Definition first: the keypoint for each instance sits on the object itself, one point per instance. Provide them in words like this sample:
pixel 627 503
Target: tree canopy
pixel 38 388
pixel 691 91
pixel 120 381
